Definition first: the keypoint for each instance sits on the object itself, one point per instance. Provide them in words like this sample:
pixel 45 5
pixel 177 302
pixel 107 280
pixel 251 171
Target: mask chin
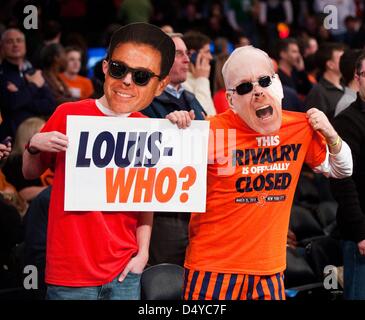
pixel 268 129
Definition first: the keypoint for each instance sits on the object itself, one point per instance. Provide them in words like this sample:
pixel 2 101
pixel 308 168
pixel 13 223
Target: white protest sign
pixel 135 164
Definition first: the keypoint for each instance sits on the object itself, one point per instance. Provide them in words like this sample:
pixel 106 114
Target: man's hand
pixel 135 265
pixel 361 246
pixel 201 67
pixel 4 150
pixel 299 64
pixel 181 118
pixel 320 122
pixel 291 241
pixel 36 78
pixel 11 87
pixel 49 141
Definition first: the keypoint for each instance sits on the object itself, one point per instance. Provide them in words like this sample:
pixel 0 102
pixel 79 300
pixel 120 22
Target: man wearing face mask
pixel 237 248
pixel 95 255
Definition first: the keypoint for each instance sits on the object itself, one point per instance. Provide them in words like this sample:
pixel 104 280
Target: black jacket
pixel 349 192
pixel 165 103
pixel 324 96
pixel 28 101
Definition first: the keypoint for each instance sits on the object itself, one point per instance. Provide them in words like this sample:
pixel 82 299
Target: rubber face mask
pixel 255 91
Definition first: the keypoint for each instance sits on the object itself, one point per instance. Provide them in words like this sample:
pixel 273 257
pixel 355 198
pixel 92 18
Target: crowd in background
pixel 42 68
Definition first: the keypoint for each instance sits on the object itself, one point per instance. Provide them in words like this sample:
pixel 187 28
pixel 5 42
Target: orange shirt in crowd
pixel 4 185
pixel 251 185
pixel 80 87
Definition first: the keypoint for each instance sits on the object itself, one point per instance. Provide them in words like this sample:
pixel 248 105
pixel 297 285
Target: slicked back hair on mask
pixel 146 34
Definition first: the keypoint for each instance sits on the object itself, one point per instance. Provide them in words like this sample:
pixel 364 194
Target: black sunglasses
pixel 246 87
pixel 119 70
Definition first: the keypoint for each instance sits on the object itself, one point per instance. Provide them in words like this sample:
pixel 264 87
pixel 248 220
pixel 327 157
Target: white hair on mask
pixel 244 58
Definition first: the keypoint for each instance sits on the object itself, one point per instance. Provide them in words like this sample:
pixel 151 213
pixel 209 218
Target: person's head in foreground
pixel 253 89
pixel 136 69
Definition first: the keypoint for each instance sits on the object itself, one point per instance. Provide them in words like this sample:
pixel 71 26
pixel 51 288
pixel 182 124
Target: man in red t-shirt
pixel 94 254
pixel 237 248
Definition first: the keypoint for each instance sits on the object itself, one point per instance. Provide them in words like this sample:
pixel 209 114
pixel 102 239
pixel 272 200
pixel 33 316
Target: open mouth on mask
pixel 264 112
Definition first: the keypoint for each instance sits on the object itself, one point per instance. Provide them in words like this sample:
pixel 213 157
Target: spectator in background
pixel 272 12
pixel 353 25
pixel 349 193
pixel 10 223
pixel 197 82
pixel 291 66
pixel 329 90
pixel 190 18
pixel 308 46
pixel 5 150
pixel 242 16
pixel 349 77
pixel 98 76
pixel 221 46
pixel 80 87
pixel 170 229
pixel 291 101
pixel 72 14
pixel 12 169
pixel 54 62
pixel 343 10
pixel 167 28
pixel 219 98
pixel 175 97
pixel 241 40
pixel 8 192
pixel 10 235
pixel 135 11
pixel 35 238
pixel 23 93
pixel 76 39
pixel 217 25
pixel 52 34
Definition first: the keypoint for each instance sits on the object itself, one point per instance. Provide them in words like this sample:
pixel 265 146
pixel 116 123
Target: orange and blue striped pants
pixel 205 285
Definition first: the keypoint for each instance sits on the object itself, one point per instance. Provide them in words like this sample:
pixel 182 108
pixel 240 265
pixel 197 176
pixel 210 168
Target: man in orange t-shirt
pixel 237 248
pixel 79 87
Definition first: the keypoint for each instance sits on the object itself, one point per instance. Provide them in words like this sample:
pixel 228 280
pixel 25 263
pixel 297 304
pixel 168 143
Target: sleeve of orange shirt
pixel 316 153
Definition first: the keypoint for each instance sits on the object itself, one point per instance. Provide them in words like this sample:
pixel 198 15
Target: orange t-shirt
pixel 251 185
pixel 80 87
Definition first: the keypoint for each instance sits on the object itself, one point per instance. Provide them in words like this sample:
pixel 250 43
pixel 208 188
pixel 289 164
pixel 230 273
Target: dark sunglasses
pixel 119 70
pixel 246 87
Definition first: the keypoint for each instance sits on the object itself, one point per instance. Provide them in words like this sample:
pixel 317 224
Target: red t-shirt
pixel 220 101
pixel 251 184
pixel 88 248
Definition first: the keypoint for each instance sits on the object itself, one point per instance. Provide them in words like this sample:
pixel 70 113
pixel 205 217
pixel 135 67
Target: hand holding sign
pixel 49 141
pixel 181 118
